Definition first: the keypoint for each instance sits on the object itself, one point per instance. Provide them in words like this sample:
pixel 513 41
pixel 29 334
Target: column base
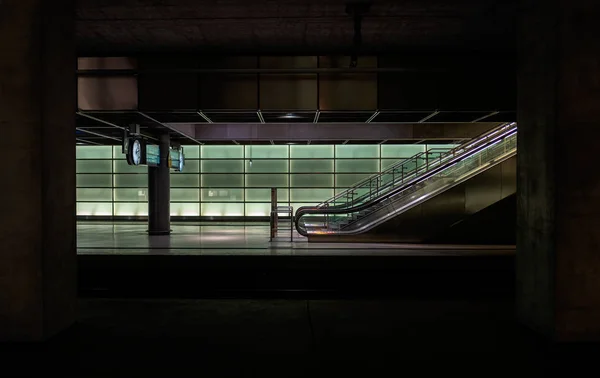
pixel 154 232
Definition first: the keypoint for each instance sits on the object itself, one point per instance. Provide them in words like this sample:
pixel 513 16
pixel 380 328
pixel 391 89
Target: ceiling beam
pixel 430 116
pixel 206 118
pixel 169 128
pixel 373 116
pixel 485 116
pixel 98 134
pixel 88 142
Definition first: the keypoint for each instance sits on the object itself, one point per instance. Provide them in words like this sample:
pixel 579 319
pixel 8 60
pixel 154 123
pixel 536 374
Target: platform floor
pixel 214 239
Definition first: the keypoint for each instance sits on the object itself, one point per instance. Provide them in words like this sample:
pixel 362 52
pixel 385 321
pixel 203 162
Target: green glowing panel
pixel 94 209
pixel 94 166
pixel 222 209
pixel 191 166
pixel 185 209
pixel 138 209
pixel 357 165
pixel 121 166
pixel 258 209
pixel 266 152
pixel 317 195
pixel 185 180
pixel 93 152
pixel 94 180
pixel 131 181
pixel 311 152
pixel 222 195
pixel 185 195
pixel 267 166
pixel 222 180
pixel 94 195
pixel 259 180
pixel 118 153
pixel 387 163
pixel 401 150
pixel 222 152
pixel 191 152
pixel 222 166
pixel 265 195
pixel 311 166
pixel 314 180
pixel 131 195
pixel 354 151
pixel 444 147
pixel 345 180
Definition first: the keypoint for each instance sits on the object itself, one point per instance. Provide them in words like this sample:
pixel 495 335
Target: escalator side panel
pixel 423 221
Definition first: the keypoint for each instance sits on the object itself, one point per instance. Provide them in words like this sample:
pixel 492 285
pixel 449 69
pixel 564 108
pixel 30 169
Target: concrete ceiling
pixel 293 26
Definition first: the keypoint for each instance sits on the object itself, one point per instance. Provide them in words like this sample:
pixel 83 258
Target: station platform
pixel 237 260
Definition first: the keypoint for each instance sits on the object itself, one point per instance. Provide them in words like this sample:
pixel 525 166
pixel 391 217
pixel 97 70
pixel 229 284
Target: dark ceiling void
pixel 293 26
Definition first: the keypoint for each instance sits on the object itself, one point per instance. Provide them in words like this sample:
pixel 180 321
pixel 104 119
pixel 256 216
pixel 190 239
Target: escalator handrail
pixel 482 138
pixel 306 210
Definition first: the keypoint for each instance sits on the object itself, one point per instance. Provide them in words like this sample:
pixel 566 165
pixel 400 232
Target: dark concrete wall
pixel 558 270
pixel 37 217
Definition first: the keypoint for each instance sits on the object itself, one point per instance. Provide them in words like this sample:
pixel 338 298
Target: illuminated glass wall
pixel 230 181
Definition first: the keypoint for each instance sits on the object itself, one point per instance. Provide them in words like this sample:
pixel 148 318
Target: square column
pixel 159 191
pixel 558 255
pixel 38 280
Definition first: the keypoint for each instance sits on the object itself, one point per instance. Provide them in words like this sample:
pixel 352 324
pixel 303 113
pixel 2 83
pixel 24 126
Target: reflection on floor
pixel 240 239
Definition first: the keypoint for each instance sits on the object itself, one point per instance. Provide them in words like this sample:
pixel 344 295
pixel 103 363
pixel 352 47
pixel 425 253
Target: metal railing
pixel 441 173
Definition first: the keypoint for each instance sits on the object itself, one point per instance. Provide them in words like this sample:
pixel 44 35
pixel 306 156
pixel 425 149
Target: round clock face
pixel 181 161
pixel 136 153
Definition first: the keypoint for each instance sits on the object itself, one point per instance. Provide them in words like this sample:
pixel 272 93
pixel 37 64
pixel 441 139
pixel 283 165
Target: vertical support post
pixel 273 225
pixel 159 191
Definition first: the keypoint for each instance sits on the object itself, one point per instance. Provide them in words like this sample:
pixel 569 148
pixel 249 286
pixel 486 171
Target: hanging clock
pixel 135 152
pixel 181 161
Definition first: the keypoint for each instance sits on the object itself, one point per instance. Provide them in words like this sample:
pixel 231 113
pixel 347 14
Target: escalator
pixel 409 184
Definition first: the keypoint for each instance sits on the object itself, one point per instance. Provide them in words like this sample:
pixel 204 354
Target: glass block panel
pixel 353 151
pixel 445 147
pixel 185 180
pixel 94 166
pixel 93 152
pixel 185 195
pixel 191 152
pixel 94 194
pixel 94 180
pixel 222 195
pixel 297 205
pixel 267 152
pixel 222 152
pixel 349 179
pixel 267 166
pixel 185 209
pixel 191 166
pixel 401 150
pixel 357 165
pixel 308 180
pixel 118 154
pixel 311 152
pixel 121 166
pixel 131 181
pixel 210 209
pixel 311 166
pixel 386 163
pixel 266 180
pixel 97 208
pixel 265 194
pixel 258 209
pixel 222 166
pixel 316 195
pixel 222 180
pixel 133 195
pixel 139 209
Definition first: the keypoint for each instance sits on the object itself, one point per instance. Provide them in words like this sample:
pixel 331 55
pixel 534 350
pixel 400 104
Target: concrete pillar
pixel 558 258
pixel 159 192
pixel 38 281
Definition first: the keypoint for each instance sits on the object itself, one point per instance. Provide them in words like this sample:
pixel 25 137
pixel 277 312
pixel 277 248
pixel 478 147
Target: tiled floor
pixel 240 239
